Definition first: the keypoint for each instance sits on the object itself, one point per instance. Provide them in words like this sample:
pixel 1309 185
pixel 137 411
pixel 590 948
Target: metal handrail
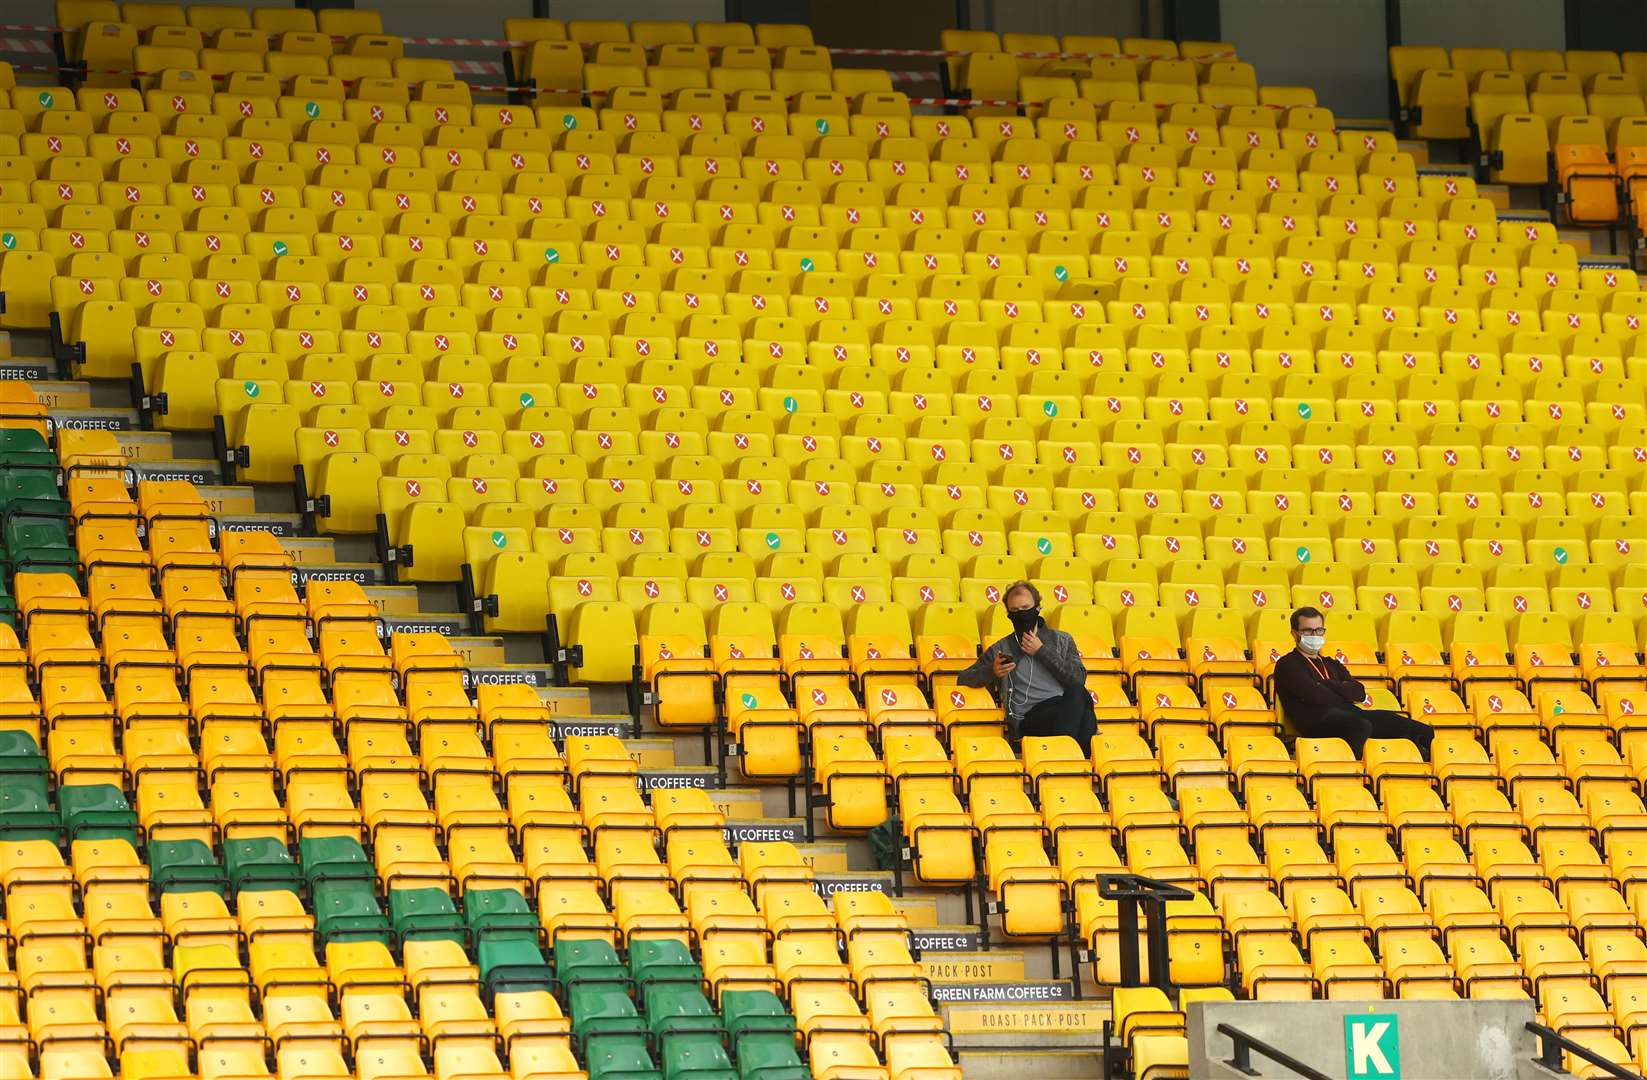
pixel 1246 1045
pixel 1551 1045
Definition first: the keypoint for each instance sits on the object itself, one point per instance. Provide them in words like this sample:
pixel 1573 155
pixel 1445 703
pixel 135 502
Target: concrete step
pixel 679 776
pixel 921 912
pixel 569 701
pixel 651 753
pixel 993 966
pixel 946 938
pixel 827 856
pixel 146 445
pixel 360 573
pixel 445 623
pixel 741 803
pixel 828 884
pixel 281 525
pixel 394 600
pixel 573 726
pixel 25 367
pixel 310 549
pixel 229 499
pixel 1079 1062
pixel 166 467
pixel 90 419
pixel 763 830
pixel 951 904
pixel 1027 1005
pixel 68 395
pixel 1028 960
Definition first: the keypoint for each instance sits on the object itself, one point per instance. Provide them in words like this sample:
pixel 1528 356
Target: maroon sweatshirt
pixel 1305 695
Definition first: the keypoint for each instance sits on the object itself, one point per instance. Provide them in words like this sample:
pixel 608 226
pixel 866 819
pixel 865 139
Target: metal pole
pixel 1155 936
pixel 1127 925
pixel 1392 38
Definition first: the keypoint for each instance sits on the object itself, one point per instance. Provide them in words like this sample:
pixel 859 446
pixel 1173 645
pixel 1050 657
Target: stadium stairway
pixel 1007 1013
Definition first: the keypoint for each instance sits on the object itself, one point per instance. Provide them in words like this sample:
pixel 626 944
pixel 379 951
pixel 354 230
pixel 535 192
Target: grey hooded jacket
pixel 1057 655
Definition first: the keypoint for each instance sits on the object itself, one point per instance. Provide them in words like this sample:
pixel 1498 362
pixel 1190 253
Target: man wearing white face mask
pixel 1323 701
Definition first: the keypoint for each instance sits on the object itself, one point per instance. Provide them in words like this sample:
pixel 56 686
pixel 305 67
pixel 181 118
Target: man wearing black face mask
pixel 1042 680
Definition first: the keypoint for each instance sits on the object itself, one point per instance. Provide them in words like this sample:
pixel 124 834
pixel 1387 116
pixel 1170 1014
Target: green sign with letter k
pixel 1372 1047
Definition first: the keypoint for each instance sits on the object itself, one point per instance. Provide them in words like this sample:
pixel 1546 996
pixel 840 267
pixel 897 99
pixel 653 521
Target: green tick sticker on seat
pixel 1559 709
pixel 1303 554
pixel 1044 546
pixel 252 389
pixel 790 404
pixel 1561 556
pixel 748 701
pixel 1050 408
pixel 46 99
pixel 1304 409
pixel 550 255
pixel 280 247
pixel 773 540
pixel 568 121
pixel 499 540
pixel 8 241
pixel 822 125
pixel 807 265
pixel 1061 273
pixel 527 400
pixel 311 109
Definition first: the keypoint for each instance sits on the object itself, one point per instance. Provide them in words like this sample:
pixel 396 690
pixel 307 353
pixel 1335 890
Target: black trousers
pixel 1070 715
pixel 1356 725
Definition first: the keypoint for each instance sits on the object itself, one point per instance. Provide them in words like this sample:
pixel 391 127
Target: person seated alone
pixel 1042 682
pixel 1323 701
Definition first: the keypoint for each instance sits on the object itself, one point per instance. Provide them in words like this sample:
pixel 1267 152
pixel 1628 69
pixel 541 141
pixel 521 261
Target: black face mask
pixel 1026 620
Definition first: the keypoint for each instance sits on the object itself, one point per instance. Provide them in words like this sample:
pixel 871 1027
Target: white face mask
pixel 1310 644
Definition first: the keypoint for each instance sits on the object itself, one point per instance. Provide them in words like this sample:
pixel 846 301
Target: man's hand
pixel 1003 665
pixel 1030 642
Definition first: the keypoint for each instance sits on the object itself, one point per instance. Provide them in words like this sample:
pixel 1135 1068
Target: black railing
pixel 1246 1045
pixel 1131 892
pixel 1552 1044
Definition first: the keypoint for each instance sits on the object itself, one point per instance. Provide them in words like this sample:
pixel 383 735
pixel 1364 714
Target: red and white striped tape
pixel 481 68
pixel 476 67
pixel 935 54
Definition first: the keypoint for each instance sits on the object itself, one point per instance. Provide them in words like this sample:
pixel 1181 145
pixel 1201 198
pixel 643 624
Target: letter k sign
pixel 1372 1047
